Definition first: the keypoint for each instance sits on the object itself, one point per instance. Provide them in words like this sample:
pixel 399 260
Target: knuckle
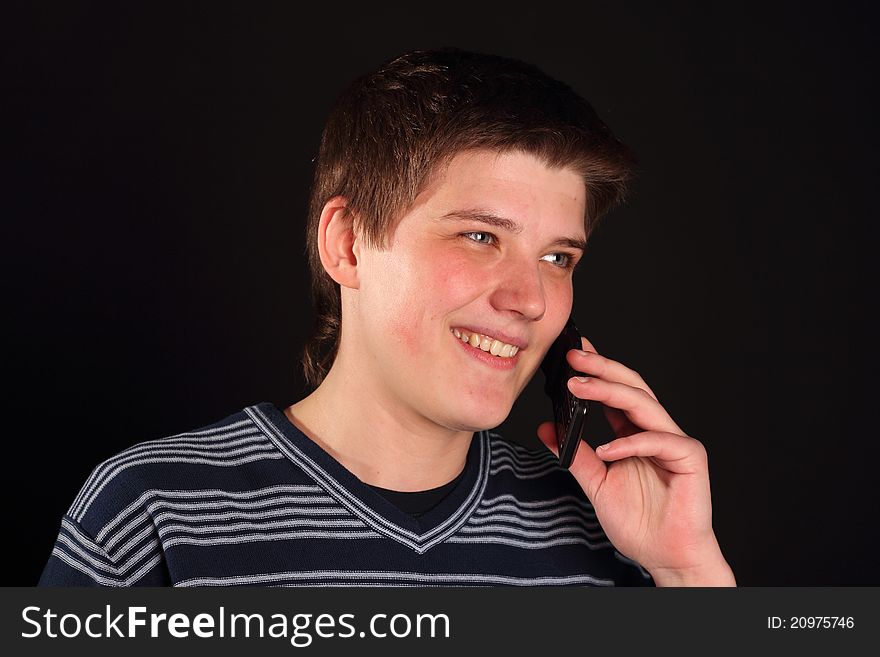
pixel 700 448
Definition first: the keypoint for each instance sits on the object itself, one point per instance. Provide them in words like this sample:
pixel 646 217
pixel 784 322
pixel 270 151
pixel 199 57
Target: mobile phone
pixel 569 412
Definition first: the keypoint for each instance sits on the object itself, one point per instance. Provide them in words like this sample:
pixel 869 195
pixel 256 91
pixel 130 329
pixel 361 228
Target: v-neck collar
pixel 369 505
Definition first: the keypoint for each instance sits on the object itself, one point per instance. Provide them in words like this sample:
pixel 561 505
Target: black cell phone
pixel 569 412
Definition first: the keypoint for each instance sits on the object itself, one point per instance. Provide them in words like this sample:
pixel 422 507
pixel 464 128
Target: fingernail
pixel 582 379
pixel 602 447
pixel 581 352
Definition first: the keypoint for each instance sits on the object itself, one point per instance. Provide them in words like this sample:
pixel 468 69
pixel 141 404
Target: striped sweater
pixel 251 500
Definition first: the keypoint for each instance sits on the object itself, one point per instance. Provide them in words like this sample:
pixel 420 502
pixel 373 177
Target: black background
pixel 157 161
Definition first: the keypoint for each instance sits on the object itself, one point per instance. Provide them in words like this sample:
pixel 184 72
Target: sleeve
pixel 77 559
pixel 632 573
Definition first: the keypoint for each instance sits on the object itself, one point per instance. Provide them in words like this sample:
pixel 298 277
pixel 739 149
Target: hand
pixel 650 485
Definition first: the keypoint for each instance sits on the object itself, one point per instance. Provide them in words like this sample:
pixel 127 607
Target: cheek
pixel 404 330
pixel 452 279
pixel 436 285
pixel 559 308
pixel 560 298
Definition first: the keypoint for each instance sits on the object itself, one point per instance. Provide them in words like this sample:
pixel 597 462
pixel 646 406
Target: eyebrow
pixel 510 225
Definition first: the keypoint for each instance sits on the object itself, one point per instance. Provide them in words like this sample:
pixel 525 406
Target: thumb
pixel 588 469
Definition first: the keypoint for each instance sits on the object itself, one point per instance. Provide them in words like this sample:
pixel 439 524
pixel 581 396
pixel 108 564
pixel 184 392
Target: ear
pixel 338 244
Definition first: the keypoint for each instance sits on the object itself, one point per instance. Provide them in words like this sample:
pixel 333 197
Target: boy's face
pixel 446 273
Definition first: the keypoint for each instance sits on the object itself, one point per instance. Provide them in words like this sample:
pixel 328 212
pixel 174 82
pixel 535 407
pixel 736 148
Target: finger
pixel 670 451
pixel 587 345
pixel 596 365
pixel 639 406
pixel 587 468
pixel 620 424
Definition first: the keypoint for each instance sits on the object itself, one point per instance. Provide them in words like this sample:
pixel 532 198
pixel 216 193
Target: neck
pixel 375 437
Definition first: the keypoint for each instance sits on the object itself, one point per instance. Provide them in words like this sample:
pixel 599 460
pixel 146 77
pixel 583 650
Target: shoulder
pixel 517 455
pixel 532 475
pixel 547 507
pixel 180 462
pixel 525 464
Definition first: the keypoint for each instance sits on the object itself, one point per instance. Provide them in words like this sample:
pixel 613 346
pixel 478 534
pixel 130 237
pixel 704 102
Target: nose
pixel 520 289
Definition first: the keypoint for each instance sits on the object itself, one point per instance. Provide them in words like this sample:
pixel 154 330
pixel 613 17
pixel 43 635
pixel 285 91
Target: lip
pixel 485 357
pixel 498 335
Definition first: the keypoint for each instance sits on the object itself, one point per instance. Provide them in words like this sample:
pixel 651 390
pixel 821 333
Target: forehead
pixel 512 183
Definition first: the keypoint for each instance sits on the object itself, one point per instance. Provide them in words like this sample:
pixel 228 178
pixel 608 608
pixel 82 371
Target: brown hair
pixel 393 128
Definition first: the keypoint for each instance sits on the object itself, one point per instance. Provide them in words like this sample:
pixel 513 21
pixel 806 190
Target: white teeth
pixel 484 342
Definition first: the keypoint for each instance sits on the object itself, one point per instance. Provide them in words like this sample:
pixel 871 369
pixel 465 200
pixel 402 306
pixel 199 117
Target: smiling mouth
pixel 486 343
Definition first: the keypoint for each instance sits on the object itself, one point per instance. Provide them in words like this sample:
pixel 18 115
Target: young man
pixel 453 196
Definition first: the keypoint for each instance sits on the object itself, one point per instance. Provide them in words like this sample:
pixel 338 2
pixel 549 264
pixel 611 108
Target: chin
pixel 480 418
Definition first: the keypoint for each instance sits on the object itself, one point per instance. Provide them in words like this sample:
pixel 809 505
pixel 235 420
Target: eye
pixel 561 260
pixel 480 238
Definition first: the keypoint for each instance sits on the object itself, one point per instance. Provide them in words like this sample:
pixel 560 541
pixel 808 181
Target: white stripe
pixel 164 530
pixel 394 577
pixel 124 549
pixel 224 463
pixel 530 545
pixel 85 569
pixel 549 522
pixel 106 465
pixel 101 579
pixel 204 493
pixel 488 512
pixel 82 537
pixel 222 434
pixel 521 450
pixel 215 443
pixel 214 430
pixel 363 584
pixel 503 455
pixel 519 467
pixel 267 536
pixel 132 456
pixel 198 450
pixel 340 511
pixel 160 506
pixel 106 568
pixel 522 456
pixel 152 546
pixel 520 475
pixel 507 530
pixel 155 526
pixel 111 567
pixel 277 500
pixel 147 567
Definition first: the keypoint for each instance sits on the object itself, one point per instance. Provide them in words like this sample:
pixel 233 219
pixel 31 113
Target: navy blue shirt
pixel 251 500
